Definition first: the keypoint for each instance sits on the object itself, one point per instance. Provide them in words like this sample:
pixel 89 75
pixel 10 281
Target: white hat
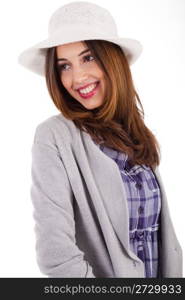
pixel 78 21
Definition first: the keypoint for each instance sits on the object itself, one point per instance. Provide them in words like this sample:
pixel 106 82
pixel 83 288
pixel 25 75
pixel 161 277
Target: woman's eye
pixel 62 67
pixel 88 57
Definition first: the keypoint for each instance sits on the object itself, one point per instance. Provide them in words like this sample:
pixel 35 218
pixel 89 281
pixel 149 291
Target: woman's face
pixel 80 74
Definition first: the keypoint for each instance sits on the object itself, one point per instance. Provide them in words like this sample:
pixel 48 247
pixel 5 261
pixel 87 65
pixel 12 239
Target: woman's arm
pixel 52 198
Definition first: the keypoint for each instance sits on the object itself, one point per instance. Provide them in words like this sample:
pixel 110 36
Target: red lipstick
pixel 90 94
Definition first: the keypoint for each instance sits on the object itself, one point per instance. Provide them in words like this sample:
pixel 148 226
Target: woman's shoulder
pixel 54 129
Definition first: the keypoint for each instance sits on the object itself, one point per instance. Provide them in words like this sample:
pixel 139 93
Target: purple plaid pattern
pixel 144 204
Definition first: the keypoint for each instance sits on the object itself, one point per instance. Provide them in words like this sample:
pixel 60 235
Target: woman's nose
pixel 79 75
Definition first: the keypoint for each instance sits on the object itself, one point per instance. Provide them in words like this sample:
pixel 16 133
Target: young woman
pixel 99 202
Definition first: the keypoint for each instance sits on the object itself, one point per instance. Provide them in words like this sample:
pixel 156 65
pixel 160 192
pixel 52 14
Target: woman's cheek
pixel 66 80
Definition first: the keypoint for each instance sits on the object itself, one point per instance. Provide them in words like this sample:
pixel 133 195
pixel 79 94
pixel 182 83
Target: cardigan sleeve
pixel 57 252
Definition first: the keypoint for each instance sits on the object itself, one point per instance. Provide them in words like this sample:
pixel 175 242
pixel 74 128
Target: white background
pixel 159 79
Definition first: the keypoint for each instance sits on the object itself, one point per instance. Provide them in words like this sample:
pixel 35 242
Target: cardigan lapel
pixel 108 180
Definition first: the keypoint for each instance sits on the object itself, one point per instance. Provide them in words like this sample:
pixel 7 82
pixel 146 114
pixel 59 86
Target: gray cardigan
pixel 80 209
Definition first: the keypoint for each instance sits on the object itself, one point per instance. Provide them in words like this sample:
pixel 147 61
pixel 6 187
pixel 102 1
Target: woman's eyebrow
pixel 84 51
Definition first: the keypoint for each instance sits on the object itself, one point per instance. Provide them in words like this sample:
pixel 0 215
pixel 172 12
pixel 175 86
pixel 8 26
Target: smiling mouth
pixel 88 88
pixel 88 94
pixel 89 91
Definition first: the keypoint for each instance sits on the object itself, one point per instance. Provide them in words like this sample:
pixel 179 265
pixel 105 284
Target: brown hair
pixel 118 122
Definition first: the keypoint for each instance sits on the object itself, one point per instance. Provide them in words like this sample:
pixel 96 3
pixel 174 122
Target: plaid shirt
pixel 144 203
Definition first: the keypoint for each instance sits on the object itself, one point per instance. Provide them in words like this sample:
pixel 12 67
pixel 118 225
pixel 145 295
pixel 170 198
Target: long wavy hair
pixel 119 122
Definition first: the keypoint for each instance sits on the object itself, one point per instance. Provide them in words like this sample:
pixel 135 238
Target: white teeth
pixel 88 89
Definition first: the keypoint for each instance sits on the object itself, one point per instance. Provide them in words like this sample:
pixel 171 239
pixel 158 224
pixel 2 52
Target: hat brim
pixel 34 58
